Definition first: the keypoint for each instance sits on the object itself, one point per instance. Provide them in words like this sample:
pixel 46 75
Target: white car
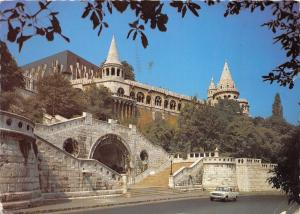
pixel 224 193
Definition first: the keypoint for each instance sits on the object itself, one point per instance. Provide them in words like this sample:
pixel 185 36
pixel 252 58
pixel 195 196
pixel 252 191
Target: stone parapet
pixel 19 177
pixel 187 176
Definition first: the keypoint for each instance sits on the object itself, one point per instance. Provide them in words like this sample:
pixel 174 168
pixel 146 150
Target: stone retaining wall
pixel 19 177
pixel 62 173
pixel 218 172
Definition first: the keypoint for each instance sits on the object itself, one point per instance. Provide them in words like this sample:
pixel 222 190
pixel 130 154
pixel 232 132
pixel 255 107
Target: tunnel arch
pixel 112 151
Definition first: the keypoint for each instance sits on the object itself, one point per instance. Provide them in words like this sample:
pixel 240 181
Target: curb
pixel 109 204
pixel 117 204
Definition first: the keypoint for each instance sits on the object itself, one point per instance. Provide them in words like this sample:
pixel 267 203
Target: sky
pixel 184 58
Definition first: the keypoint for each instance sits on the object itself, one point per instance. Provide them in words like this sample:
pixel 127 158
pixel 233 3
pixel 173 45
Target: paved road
pixel 244 205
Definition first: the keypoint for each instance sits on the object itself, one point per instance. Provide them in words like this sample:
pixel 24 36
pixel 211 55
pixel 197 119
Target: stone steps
pixel 160 179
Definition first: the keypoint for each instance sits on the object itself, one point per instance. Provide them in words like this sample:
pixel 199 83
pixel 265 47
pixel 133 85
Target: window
pixel 158 101
pixel 120 92
pixel 144 155
pixel 107 71
pixel 132 95
pixel 179 107
pixel 166 104
pixel 71 146
pixel 20 124
pixel 113 71
pixel 148 100
pixel 140 97
pixel 172 105
pixel 8 121
pixel 118 72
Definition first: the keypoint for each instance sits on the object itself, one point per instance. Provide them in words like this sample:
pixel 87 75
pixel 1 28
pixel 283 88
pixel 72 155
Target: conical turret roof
pixel 212 84
pixel 226 79
pixel 113 55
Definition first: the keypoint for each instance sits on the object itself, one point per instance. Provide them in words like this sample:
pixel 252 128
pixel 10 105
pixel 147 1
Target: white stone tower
pixel 226 89
pixel 211 90
pixel 112 67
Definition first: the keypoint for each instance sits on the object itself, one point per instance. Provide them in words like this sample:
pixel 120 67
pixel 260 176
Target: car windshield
pixel 224 189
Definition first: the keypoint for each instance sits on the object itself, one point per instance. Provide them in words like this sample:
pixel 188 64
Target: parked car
pixel 224 193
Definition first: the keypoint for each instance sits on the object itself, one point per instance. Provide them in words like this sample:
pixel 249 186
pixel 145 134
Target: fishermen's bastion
pixel 85 157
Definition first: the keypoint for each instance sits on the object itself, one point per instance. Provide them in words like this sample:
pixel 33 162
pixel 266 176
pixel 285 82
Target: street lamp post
pixel 171 172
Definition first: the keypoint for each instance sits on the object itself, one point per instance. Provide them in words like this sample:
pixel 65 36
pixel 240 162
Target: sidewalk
pixel 88 203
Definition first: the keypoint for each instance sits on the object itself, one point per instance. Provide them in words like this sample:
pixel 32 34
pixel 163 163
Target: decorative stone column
pixel 124 181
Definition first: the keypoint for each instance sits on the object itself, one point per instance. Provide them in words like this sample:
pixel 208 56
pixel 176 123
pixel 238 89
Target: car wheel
pixel 235 198
pixel 226 199
pixel 211 198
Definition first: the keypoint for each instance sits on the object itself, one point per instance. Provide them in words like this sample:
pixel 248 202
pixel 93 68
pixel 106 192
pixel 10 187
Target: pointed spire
pixel 226 79
pixel 113 56
pixel 226 75
pixel 212 84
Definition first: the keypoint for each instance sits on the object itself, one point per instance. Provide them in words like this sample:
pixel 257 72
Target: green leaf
pixel 55 24
pixel 50 35
pixel 21 40
pixel 129 32
pixel 42 6
pixel 95 20
pixel 144 40
pixel 40 31
pixel 86 12
pixel 183 11
pixel 12 33
pixel 120 5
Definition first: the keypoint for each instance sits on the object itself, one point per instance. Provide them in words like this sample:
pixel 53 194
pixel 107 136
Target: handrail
pixel 184 171
pixel 147 172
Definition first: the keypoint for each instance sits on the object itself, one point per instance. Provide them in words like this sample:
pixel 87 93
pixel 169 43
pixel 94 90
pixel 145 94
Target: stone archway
pixel 112 151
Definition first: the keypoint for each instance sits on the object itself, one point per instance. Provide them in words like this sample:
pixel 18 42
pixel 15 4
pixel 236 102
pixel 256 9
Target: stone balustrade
pixel 194 156
pixel 221 160
pixel 16 124
pixel 56 127
pixel 187 175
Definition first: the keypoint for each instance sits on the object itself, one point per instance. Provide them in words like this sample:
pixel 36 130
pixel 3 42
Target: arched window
pixel 71 146
pixel 148 100
pixel 120 92
pixel 158 101
pixel 172 105
pixel 132 95
pixel 144 155
pixel 179 107
pixel 140 97
pixel 107 71
pixel 113 71
pixel 166 103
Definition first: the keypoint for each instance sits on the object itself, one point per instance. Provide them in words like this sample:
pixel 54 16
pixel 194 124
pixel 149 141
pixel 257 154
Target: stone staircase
pixel 160 179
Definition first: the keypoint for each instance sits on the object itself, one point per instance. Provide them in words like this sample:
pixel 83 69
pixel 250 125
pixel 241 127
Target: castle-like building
pixel 226 89
pixel 130 96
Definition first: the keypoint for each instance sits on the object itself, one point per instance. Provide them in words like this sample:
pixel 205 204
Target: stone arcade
pixel 130 96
